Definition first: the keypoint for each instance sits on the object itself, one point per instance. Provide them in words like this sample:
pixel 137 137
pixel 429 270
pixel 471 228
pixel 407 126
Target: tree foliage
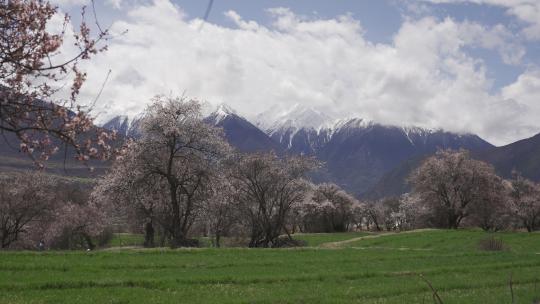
pixel 32 70
pixel 167 172
pixel 328 209
pixel 525 202
pixel 35 207
pixel 266 188
pixel 25 201
pixel 219 213
pixel 451 184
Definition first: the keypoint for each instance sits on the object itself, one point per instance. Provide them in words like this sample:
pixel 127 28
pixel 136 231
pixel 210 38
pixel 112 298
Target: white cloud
pixel 526 89
pixel 424 77
pixel 527 11
pixel 525 93
pixel 237 19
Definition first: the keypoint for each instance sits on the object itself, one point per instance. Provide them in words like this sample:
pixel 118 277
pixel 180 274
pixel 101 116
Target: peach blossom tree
pixel 266 188
pixel 525 202
pixel 451 184
pixel 33 68
pixel 168 171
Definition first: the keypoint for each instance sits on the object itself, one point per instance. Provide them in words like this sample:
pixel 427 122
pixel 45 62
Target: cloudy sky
pixel 461 65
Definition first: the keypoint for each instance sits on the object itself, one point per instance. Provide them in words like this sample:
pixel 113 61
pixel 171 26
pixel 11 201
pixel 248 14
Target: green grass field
pixel 361 269
pixel 317 239
pixel 311 239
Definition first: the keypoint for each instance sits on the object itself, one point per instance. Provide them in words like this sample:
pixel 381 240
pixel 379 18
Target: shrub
pixel 491 244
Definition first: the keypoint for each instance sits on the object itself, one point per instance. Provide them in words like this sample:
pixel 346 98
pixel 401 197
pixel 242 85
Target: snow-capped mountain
pixel 119 124
pixel 358 155
pixel 298 129
pixel 240 133
pixel 220 113
pixel 294 117
pixel 364 157
pixel 356 152
pixel 124 125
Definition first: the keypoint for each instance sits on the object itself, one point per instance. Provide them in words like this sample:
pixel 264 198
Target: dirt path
pixel 341 243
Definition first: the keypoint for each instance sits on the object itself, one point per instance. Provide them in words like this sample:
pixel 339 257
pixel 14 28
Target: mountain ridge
pixel 356 152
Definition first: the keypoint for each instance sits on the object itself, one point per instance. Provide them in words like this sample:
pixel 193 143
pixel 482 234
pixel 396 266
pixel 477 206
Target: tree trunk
pixel 149 235
pixel 177 237
pixel 89 242
pixel 4 243
pixel 453 220
pixel 218 237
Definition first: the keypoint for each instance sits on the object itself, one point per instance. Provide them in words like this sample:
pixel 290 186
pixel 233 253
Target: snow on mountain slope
pixel 124 125
pixel 118 123
pixel 294 117
pixel 299 129
pixel 220 113
pixel 241 133
pixel 356 152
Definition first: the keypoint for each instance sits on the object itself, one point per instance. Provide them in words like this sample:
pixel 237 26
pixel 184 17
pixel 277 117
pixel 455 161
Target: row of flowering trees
pixel 181 179
pixel 451 190
pixel 180 170
pixel 182 174
pixel 36 208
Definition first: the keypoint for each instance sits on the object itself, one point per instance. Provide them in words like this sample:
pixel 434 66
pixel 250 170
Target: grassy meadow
pixel 336 268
